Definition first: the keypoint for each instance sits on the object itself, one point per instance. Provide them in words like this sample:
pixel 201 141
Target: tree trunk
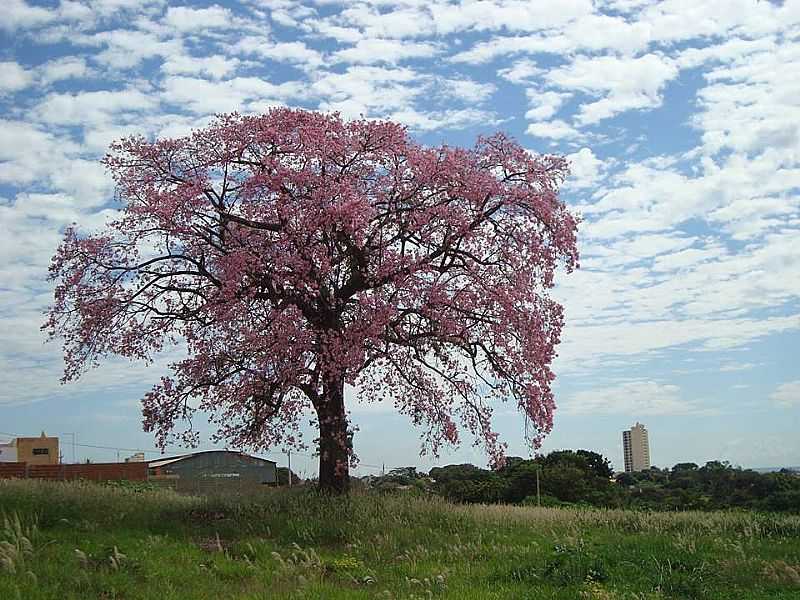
pixel 335 440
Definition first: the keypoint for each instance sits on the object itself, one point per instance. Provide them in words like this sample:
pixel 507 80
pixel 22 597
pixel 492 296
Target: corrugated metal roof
pixel 153 464
pixel 165 461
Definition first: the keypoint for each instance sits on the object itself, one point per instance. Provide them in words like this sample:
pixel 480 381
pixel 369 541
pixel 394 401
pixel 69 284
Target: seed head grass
pixel 80 540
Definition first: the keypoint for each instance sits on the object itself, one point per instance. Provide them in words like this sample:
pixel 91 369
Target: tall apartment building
pixel 637 448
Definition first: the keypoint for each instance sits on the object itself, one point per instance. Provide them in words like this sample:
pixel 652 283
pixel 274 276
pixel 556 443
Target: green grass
pixel 80 540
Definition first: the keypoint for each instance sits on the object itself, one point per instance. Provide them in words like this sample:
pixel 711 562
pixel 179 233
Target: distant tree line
pixel 583 477
pixel 283 474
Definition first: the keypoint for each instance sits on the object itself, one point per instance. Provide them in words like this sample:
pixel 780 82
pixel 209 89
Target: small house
pixel 42 450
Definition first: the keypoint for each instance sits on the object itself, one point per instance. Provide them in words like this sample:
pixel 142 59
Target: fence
pixel 133 471
pixel 206 486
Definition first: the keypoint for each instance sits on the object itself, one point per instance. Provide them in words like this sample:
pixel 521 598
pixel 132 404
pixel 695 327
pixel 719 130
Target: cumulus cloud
pixel 750 106
pixel 787 394
pixel 468 90
pixel 680 123
pixel 88 108
pixel 69 67
pixel 374 51
pixel 291 52
pixel 18 14
pixel 216 67
pixel 543 105
pixel 446 119
pixel 521 71
pixel 624 83
pixel 632 398
pixel 13 77
pixel 244 94
pixel 186 19
pixel 128 48
pixel 38 160
pixel 366 90
pixel 555 129
pixel 507 15
pixel 585 168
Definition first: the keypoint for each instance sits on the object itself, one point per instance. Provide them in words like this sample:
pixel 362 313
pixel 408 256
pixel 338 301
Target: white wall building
pixel 8 452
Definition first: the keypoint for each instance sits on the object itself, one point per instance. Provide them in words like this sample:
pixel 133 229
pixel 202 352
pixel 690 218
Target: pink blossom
pixel 295 251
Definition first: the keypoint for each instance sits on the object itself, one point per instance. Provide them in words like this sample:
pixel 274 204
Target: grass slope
pixel 79 540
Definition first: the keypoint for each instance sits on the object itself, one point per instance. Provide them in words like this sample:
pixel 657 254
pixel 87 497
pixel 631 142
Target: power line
pixel 120 449
pixel 160 453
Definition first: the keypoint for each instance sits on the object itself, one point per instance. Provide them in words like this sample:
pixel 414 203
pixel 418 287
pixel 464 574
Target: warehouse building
pixel 204 471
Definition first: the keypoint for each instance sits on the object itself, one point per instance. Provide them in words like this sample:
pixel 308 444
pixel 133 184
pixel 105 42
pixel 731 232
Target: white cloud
pixel 556 129
pixel 446 119
pixel 216 66
pixel 543 105
pixel 688 258
pixel 290 52
pixel 368 90
pixel 468 90
pixel 109 8
pixel 484 52
pixel 36 159
pixel 586 345
pixel 734 367
pixel 245 94
pixel 18 14
pixel 633 398
pixel 750 105
pixel 521 71
pixel 398 23
pixel 347 35
pixel 787 394
pixel 127 48
pixel 374 51
pixel 13 77
pixel 509 15
pixel 691 213
pixel 652 199
pixel 625 83
pixel 70 67
pixel 585 169
pixel 187 19
pixel 293 52
pixel 731 50
pixel 677 20
pixel 94 107
pixel 290 13
pixel 603 32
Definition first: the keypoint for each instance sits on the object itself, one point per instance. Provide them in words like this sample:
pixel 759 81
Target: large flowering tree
pixel 295 252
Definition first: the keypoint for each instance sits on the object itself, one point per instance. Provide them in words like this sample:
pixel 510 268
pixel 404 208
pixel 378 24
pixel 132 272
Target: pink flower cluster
pixel 295 251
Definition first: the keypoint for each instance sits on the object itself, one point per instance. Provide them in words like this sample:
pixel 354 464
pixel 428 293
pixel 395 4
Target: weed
pixel 575 563
pixel 120 542
pixel 16 545
pixel 779 571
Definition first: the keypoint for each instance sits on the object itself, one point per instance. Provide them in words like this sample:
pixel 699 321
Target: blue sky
pixel 681 119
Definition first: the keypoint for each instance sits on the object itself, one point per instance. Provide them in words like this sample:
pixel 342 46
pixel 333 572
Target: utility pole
pixel 289 455
pixel 72 433
pixel 538 496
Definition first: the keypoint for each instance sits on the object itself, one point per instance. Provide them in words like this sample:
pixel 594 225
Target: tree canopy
pixel 295 252
pixel 567 477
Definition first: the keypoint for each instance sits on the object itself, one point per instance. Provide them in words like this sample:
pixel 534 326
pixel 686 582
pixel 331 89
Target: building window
pixel 41 451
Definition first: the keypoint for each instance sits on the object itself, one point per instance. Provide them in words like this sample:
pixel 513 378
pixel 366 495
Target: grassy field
pixel 79 540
